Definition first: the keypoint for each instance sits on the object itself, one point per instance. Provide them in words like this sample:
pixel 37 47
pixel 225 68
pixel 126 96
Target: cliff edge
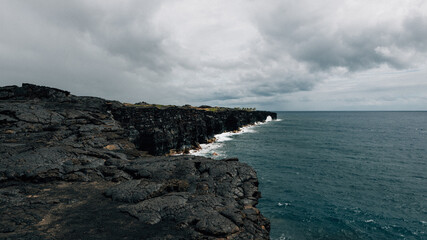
pixel 87 168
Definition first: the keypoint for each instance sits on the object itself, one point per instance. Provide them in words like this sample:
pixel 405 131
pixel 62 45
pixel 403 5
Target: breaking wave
pixel 213 150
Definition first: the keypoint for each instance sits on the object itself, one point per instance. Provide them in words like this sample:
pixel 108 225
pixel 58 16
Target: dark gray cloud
pixel 326 40
pixel 274 54
pixel 88 47
pixel 121 30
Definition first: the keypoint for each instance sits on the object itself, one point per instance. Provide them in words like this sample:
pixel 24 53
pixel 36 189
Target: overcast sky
pixel 268 54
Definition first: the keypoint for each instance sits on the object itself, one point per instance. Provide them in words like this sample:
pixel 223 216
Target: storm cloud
pixel 278 55
pixel 354 35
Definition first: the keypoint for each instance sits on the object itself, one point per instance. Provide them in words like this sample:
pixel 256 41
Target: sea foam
pixel 212 149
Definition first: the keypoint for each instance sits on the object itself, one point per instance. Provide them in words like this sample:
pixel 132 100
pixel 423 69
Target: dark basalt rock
pixel 160 130
pixel 82 168
pixel 30 91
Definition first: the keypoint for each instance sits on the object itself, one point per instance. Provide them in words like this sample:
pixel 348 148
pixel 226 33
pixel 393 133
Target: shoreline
pixel 206 149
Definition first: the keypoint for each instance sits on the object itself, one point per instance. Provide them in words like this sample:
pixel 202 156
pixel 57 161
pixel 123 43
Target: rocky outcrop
pixel 160 130
pixel 83 168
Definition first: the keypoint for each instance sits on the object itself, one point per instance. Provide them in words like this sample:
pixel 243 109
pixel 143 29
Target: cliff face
pixel 77 167
pixel 160 130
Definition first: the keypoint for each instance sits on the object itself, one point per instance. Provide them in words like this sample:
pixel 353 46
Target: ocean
pixel 337 175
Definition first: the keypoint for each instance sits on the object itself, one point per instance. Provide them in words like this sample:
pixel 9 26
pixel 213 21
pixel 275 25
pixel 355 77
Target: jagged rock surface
pixel 77 168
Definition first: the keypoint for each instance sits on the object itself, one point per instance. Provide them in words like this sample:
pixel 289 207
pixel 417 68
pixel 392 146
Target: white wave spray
pixel 212 150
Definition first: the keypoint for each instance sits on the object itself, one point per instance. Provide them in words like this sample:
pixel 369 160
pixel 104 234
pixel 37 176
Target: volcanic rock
pixel 86 168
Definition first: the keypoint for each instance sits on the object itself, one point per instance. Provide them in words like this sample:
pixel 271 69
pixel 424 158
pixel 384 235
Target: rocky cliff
pixel 160 130
pixel 83 168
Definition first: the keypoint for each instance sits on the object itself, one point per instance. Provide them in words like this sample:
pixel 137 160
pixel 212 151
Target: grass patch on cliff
pixel 201 108
pixel 219 109
pixel 213 109
pixel 159 106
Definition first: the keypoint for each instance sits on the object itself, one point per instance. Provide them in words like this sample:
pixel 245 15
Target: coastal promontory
pixel 75 167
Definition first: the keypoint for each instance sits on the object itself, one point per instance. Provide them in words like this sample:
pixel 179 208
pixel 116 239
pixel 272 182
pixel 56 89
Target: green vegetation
pixel 202 108
pixel 213 109
pixel 245 109
pixel 219 109
pixel 159 106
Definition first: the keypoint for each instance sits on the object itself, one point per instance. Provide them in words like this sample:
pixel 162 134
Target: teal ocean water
pixel 338 175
